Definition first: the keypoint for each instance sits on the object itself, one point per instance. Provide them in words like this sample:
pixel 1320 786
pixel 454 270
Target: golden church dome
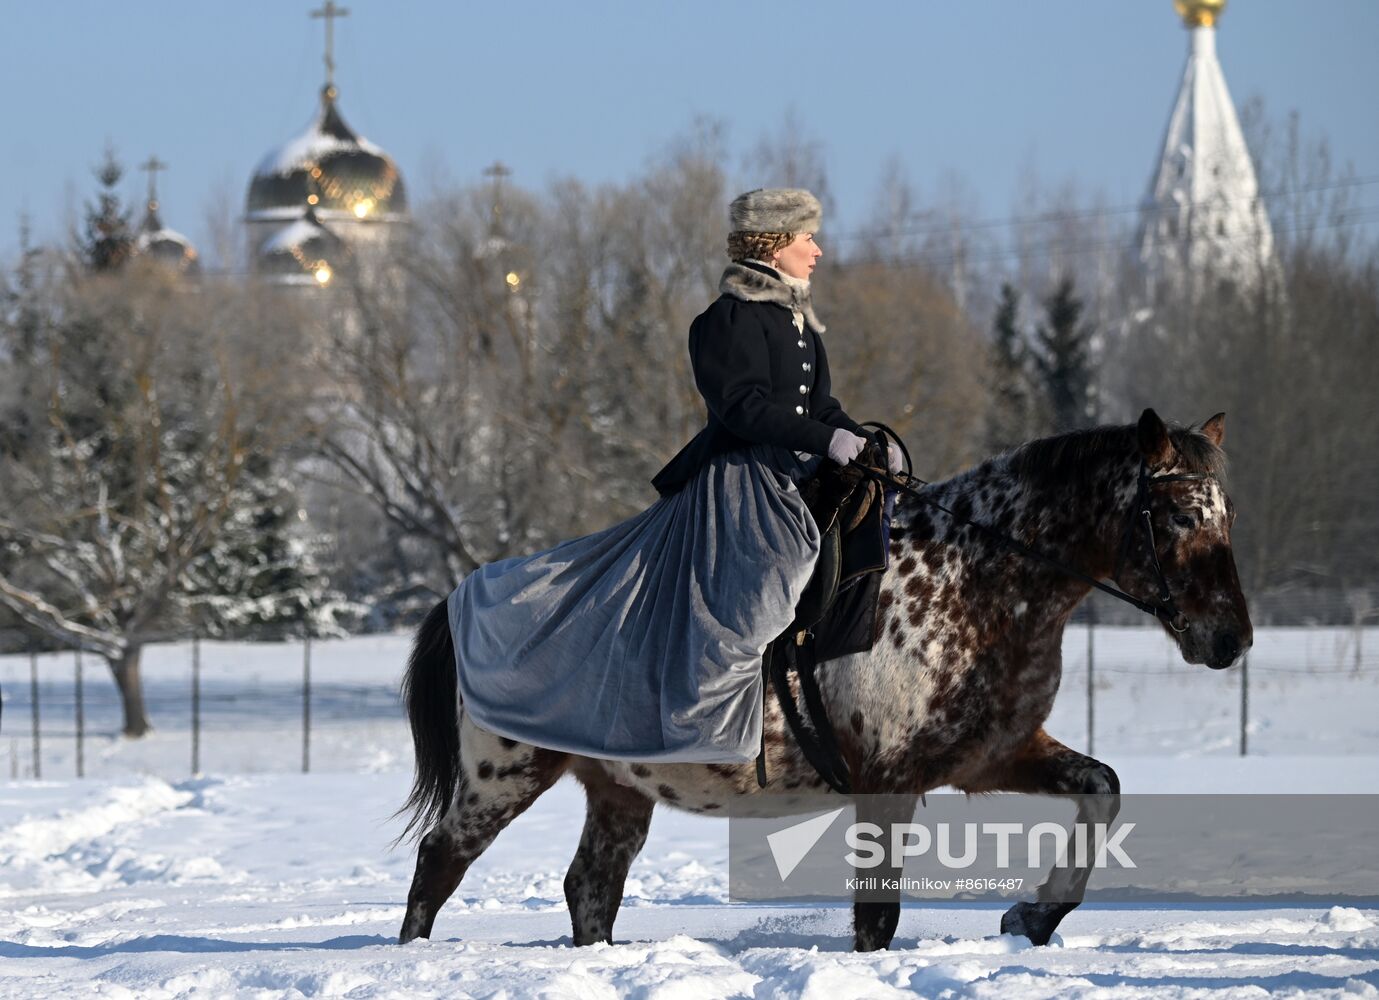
pixel 166 246
pixel 303 252
pixel 1199 13
pixel 331 169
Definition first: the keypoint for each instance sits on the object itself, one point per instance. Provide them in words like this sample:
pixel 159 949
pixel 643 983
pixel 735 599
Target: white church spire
pixel 1203 211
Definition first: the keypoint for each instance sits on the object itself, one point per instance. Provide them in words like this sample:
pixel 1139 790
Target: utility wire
pixel 1080 214
pixel 946 258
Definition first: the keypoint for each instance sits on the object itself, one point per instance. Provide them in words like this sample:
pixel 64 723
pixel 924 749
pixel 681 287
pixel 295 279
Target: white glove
pixel 844 446
pixel 894 459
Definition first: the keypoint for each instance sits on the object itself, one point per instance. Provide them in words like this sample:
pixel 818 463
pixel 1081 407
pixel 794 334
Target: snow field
pixel 252 880
pixel 1306 697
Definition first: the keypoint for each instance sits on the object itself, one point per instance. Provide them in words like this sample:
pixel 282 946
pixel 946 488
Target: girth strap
pixel 817 740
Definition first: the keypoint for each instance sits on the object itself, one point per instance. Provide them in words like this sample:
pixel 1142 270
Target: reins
pixel 1164 609
pixel 818 742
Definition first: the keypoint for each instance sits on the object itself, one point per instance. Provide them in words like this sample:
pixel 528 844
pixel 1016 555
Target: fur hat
pixel 775 210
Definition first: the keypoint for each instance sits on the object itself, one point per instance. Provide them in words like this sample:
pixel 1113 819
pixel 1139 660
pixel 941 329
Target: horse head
pixel 1176 542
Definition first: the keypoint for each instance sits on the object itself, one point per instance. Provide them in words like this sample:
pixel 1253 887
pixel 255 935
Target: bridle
pixel 1163 608
pixel 1139 514
pixel 817 741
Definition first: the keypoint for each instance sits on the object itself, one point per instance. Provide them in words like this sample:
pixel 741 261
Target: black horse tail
pixel 429 692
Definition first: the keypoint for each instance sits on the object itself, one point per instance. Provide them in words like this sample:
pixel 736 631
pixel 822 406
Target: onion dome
pixel 328 167
pixel 303 252
pixel 166 246
pixel 156 241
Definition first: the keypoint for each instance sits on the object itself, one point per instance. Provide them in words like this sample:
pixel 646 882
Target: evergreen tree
pixel 152 498
pixel 1010 418
pixel 264 573
pixel 1063 359
pixel 109 240
pixel 20 301
pixel 20 324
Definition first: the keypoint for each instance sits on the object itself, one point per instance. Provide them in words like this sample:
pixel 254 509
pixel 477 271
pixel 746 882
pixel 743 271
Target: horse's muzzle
pixel 1225 650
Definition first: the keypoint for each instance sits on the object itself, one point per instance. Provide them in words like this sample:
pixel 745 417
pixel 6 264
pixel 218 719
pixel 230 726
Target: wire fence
pixel 245 706
pixel 228 706
pixel 1304 689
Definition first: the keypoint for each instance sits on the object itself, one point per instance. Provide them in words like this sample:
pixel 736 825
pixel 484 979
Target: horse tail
pixel 429 690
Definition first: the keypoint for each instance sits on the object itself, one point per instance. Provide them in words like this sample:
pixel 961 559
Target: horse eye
pixel 1182 520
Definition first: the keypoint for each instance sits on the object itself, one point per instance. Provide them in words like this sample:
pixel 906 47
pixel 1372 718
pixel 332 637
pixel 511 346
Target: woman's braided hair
pixel 746 245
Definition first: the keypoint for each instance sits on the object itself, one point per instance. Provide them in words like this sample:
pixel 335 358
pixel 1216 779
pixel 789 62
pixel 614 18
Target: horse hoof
pixel 1032 920
pixel 411 930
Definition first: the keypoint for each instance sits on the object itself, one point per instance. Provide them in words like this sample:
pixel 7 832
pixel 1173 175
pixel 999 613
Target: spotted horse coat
pixel 954 693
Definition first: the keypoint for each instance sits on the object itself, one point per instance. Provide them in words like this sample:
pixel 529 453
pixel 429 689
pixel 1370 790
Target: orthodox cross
pixel 330 12
pixel 152 166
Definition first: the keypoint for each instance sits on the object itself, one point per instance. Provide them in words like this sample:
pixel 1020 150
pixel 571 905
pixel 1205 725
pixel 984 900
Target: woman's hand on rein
pixel 894 457
pixel 844 446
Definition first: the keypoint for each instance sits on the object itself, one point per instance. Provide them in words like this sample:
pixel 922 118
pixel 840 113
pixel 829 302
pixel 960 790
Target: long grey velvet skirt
pixel 643 642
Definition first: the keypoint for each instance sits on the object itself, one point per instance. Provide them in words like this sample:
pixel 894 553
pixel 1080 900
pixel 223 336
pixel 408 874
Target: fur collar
pixel 751 282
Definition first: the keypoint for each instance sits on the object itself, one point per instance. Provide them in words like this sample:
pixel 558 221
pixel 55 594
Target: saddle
pixel 849 510
pixel 836 613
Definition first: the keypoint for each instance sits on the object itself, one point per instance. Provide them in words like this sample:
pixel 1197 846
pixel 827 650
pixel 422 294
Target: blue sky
pixel 986 91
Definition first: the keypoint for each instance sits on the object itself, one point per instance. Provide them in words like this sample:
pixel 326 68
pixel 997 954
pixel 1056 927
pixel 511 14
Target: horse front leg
pixel 1045 766
pixel 876 911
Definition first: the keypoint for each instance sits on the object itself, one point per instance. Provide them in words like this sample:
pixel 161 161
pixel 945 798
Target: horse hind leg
pixel 503 779
pixel 616 821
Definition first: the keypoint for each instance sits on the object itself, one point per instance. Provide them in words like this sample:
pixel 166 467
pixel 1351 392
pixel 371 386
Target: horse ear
pixel 1215 429
pixel 1155 444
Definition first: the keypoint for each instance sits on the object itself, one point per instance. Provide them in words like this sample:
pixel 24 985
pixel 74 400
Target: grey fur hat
pixel 776 210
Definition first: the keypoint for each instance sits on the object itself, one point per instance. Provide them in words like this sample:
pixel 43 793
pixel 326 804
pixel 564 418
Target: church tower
pixel 156 241
pixel 327 202
pixel 1203 213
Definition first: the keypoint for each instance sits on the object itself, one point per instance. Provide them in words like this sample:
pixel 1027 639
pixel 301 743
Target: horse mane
pixel 1080 455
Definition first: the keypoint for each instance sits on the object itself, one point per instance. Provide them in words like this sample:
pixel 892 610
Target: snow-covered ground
pixel 1306 697
pixel 253 880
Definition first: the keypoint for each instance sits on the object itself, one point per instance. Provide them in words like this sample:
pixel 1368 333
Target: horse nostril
pixel 1227 647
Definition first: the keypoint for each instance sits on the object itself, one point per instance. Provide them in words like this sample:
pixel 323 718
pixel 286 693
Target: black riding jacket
pixel 763 380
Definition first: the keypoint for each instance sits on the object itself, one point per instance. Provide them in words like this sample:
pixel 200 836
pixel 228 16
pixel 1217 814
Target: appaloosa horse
pixel 954 693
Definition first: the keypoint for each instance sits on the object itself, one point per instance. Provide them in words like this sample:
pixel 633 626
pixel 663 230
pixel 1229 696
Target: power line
pixel 946 258
pixel 1080 214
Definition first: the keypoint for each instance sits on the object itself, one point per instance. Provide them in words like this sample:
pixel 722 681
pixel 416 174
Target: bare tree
pixel 139 501
pixel 902 352
pixel 791 157
pixel 533 374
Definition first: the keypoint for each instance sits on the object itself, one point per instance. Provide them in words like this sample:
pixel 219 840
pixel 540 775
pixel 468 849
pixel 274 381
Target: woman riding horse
pixel 643 642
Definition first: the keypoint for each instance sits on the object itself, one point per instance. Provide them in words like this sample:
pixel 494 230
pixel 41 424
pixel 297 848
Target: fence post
pixel 1244 705
pixel 33 691
pixel 196 704
pixel 81 718
pixel 306 704
pixel 1091 687
pixel 1360 608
